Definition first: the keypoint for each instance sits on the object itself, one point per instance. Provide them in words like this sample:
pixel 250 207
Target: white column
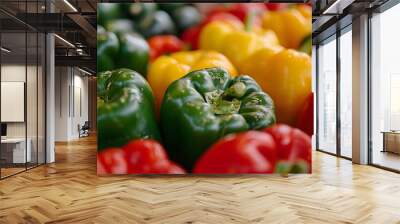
pixel 50 99
pixel 360 90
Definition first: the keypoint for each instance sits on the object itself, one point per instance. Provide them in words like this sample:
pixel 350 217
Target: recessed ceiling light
pixel 70 5
pixel 65 41
pixel 5 50
pixel 84 71
pixel 332 6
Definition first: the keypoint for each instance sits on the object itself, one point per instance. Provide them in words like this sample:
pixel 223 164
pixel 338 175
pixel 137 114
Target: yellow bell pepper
pixel 284 74
pixel 235 42
pixel 291 25
pixel 168 68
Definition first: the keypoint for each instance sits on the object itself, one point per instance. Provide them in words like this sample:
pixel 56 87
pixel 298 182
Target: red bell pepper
pixel 305 121
pixel 141 156
pixel 278 149
pixel 248 152
pixel 164 44
pixel 275 6
pixel 240 10
pixel 294 148
pixel 111 161
pixel 191 35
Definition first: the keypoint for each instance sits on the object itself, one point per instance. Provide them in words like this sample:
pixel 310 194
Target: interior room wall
pixel 15 72
pixel 69 112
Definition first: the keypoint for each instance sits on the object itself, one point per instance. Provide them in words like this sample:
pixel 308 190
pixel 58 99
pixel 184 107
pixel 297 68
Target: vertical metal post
pixel 369 80
pixel 317 96
pixel 0 94
pixel 26 87
pixel 338 81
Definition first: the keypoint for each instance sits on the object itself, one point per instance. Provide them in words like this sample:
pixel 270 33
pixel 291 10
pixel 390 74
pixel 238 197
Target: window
pixel 327 96
pixel 385 89
pixel 346 74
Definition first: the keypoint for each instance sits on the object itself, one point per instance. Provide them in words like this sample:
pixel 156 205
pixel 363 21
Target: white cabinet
pixel 17 147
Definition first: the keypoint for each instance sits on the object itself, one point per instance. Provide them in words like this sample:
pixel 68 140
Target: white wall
pixel 16 73
pixel 71 94
pixel 33 127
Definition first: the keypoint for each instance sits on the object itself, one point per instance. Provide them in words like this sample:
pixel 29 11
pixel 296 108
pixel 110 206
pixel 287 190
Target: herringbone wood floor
pixel 70 192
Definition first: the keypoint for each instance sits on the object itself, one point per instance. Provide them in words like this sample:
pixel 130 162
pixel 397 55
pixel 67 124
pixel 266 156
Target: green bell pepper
pixel 107 49
pixel 125 50
pixel 185 17
pixel 125 108
pixel 170 7
pixel 107 12
pixel 306 45
pixel 139 10
pixel 133 53
pixel 100 29
pixel 206 105
pixel 120 26
pixel 156 24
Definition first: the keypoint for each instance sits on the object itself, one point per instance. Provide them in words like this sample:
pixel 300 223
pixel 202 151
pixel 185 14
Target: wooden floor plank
pixel 69 191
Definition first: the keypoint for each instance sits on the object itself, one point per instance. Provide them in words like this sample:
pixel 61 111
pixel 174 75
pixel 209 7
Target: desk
pixel 391 141
pixel 16 148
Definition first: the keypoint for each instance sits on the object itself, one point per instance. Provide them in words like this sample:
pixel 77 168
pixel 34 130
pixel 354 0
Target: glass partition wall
pixel 385 89
pixel 327 95
pixel 346 95
pixel 22 78
pixel 334 85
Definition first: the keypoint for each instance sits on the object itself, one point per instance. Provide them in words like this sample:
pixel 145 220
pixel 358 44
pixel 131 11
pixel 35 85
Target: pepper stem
pixel 237 90
pixel 249 21
pixel 222 102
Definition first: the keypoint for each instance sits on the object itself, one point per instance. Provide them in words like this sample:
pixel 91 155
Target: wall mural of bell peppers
pixel 207 104
pixel 166 69
pixel 291 25
pixel 285 74
pixel 141 156
pixel 123 50
pixel 171 100
pixel 278 149
pixel 125 108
